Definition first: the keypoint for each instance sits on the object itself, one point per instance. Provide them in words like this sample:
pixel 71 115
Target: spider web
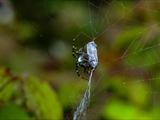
pixel 127 40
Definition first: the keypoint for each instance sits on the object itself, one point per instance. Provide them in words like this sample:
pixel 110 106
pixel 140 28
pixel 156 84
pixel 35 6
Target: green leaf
pixel 138 92
pixel 6 87
pixel 117 109
pixel 13 112
pixel 126 38
pixel 43 99
pixel 35 95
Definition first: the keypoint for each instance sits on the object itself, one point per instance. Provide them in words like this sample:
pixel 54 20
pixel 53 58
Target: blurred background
pixel 37 74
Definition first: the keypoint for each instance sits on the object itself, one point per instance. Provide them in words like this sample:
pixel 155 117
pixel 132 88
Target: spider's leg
pixel 82 48
pixel 77 65
pixel 73 47
pixel 74 53
pixel 92 69
pixel 85 70
pixel 74 41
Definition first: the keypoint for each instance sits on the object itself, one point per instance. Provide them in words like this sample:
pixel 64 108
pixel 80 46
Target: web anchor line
pixel 81 109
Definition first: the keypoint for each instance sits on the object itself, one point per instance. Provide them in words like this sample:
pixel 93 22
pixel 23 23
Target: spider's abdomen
pixel 92 52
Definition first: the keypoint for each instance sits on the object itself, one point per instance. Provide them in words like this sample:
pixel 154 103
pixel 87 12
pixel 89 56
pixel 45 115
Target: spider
pixel 88 60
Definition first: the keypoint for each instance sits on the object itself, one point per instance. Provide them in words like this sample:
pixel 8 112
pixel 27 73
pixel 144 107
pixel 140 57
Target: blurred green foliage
pixel 11 112
pixel 35 40
pixel 33 95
